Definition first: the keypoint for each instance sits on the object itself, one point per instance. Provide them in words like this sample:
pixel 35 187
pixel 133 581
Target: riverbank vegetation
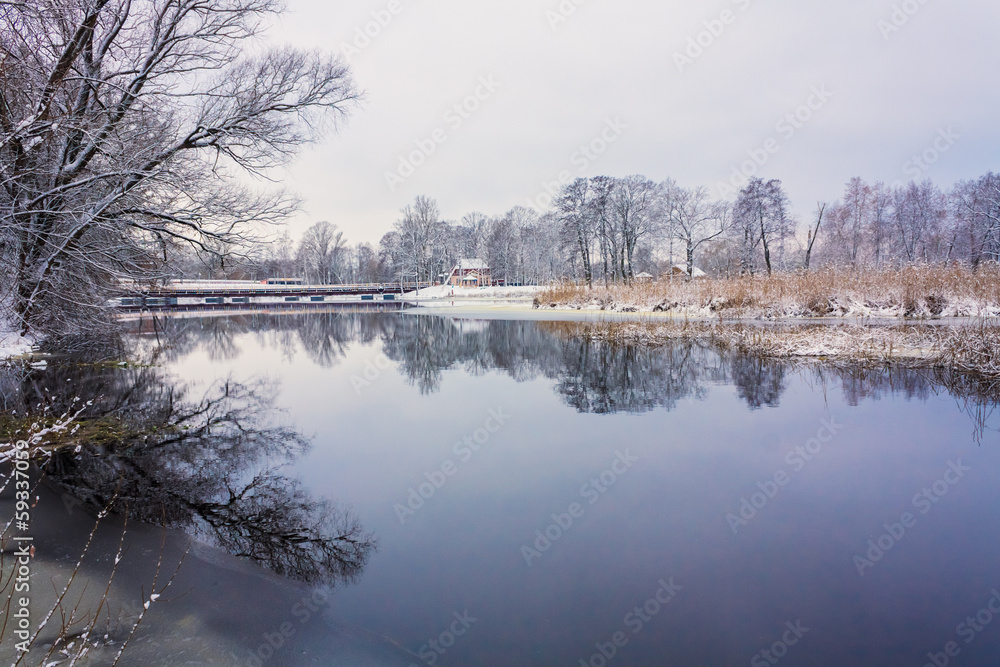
pixel 973 349
pixel 946 316
pixel 911 292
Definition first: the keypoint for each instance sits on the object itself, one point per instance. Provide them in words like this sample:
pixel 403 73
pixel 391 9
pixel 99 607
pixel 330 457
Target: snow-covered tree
pixel 123 124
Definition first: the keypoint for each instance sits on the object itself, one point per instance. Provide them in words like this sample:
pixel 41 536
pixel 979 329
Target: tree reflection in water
pixel 210 463
pixel 589 375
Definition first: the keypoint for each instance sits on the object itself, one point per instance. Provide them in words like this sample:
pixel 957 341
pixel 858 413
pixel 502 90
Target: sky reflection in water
pixel 396 401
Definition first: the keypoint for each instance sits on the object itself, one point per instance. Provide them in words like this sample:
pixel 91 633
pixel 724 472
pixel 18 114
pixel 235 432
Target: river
pixel 540 499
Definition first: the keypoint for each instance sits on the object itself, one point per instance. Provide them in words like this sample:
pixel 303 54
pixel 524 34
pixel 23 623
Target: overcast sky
pixel 886 81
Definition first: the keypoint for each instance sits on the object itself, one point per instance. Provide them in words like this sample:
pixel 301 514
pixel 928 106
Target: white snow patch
pixel 12 343
pixel 445 292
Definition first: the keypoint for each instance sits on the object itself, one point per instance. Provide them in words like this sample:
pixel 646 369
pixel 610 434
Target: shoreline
pixel 496 305
pixel 965 344
pixel 969 349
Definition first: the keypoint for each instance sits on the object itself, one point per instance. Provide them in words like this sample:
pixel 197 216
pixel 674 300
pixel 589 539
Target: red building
pixel 470 273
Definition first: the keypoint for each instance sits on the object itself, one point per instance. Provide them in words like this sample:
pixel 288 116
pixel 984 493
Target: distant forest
pixel 605 229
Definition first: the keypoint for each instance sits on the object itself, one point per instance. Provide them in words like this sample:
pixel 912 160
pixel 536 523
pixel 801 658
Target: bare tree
pixel 919 217
pixel 692 218
pixel 635 205
pixel 502 247
pixel 978 204
pixel 321 253
pixel 602 187
pixel 857 209
pixel 572 206
pixel 278 260
pixel 858 224
pixel 814 233
pixel 522 221
pixel 879 221
pixel 761 216
pixel 544 252
pixel 122 125
pixel 420 231
pixel 367 269
pixel 474 228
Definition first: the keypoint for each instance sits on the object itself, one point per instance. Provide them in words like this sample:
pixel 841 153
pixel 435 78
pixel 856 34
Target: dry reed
pixel 920 292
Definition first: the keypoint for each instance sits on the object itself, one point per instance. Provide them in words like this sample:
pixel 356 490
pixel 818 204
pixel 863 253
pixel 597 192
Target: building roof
pixel 471 265
pixel 643 275
pixel 683 269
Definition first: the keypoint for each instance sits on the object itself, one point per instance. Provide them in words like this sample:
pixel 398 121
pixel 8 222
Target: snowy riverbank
pixel 913 293
pixel 12 343
pixel 446 296
pixel 968 348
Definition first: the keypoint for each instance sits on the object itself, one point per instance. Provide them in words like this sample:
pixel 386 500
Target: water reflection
pixel 209 461
pixel 709 438
pixel 322 334
pixel 212 460
pixel 590 376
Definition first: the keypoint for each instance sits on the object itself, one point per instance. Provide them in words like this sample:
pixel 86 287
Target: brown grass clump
pixel 973 349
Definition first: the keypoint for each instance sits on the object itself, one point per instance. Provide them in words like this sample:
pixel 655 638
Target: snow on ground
pixel 789 308
pixel 447 292
pixel 12 344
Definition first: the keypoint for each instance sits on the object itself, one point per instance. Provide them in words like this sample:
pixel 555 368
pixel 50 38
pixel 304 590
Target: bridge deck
pixel 224 295
pixel 285 290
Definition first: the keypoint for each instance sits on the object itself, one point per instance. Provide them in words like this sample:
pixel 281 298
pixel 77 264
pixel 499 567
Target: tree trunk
pixel 747 253
pixel 813 235
pixel 767 249
pixel 585 257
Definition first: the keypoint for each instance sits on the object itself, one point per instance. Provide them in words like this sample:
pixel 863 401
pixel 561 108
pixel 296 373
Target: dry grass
pixel 921 292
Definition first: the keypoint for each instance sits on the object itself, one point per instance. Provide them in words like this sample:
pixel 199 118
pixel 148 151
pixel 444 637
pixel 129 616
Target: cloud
pixel 617 59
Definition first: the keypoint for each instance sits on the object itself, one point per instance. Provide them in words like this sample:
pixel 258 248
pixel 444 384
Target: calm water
pixel 541 500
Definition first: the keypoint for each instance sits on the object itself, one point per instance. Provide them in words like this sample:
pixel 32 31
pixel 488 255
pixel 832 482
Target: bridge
pixel 210 294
